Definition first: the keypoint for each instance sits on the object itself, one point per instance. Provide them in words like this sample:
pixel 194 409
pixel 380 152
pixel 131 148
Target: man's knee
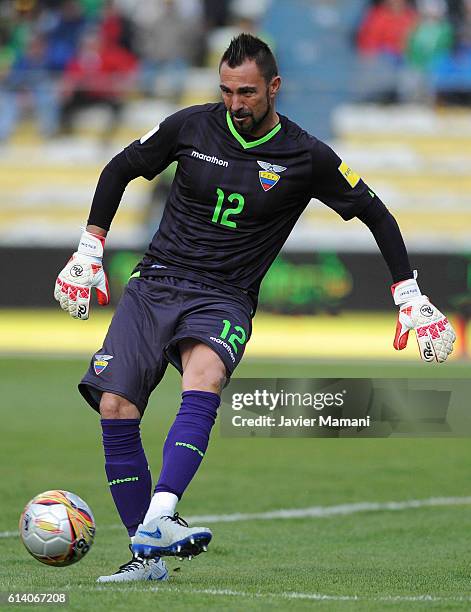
pixel 116 407
pixel 202 379
pixel 203 369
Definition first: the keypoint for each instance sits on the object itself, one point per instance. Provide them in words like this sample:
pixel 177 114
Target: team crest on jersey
pixel 100 363
pixel 269 176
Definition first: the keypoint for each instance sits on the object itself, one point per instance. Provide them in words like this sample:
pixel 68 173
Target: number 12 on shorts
pixel 235 338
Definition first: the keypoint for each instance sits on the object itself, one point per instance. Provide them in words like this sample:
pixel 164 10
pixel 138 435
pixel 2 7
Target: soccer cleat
pixel 138 569
pixel 170 536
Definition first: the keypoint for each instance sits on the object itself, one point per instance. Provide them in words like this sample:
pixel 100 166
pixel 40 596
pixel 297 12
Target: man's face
pixel 247 96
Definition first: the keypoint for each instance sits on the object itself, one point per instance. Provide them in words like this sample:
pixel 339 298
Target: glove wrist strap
pixel 405 290
pixel 91 245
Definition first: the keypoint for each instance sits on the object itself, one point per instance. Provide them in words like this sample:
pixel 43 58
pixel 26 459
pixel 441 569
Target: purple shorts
pixel 153 315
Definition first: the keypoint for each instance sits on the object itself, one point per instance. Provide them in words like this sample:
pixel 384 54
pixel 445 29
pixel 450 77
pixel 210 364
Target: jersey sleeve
pixel 154 151
pixel 335 184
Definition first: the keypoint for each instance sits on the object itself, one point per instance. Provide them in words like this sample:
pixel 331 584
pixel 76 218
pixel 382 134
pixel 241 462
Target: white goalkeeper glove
pixel 83 271
pixel 434 333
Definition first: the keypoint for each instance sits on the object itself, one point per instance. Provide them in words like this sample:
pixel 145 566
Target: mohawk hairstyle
pixel 247 47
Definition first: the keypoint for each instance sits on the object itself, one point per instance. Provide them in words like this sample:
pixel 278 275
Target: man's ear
pixel 275 85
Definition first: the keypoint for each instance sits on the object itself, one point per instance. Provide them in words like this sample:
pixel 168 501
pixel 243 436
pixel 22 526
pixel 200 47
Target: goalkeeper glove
pixel 434 333
pixel 83 271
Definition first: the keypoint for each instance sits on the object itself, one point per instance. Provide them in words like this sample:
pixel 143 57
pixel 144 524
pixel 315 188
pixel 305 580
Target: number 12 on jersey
pixel 223 219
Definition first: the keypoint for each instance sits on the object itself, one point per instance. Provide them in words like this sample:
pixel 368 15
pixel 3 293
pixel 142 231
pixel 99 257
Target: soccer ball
pixel 57 528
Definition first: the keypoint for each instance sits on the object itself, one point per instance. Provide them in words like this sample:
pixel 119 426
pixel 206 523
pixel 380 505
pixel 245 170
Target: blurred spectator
pixel 386 28
pixel 431 39
pixel 29 84
pixel 167 43
pixel 381 40
pixel 7 55
pixel 116 27
pixel 455 11
pixel 463 29
pixel 62 28
pixel 452 79
pixel 452 73
pixel 100 74
pixel 92 9
pixel 20 20
pixel 216 13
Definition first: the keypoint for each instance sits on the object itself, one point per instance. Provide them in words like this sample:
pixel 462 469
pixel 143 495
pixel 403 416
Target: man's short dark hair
pixel 247 47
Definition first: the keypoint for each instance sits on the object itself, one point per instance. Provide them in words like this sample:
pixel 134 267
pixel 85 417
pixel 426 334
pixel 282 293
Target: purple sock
pixel 187 440
pixel 126 467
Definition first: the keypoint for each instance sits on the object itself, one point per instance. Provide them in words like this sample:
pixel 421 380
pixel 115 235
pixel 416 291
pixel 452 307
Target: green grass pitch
pixel 412 559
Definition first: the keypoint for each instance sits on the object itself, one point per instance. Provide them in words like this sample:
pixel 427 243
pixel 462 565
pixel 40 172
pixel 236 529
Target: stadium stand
pixel 420 157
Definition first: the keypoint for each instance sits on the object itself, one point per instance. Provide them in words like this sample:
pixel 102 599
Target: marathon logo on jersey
pixel 349 175
pixel 212 159
pixel 100 363
pixel 269 176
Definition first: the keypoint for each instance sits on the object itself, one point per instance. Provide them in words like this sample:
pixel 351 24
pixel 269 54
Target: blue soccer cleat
pixel 170 536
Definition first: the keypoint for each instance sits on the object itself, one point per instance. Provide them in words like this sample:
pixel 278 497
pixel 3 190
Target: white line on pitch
pixel 312 511
pixel 327 511
pixel 8 534
pixel 283 595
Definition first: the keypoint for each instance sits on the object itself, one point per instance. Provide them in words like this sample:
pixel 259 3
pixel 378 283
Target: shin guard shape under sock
pixel 187 440
pixel 127 470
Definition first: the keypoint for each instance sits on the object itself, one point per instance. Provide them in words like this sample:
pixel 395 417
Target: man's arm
pixel 434 333
pixel 340 188
pixel 84 271
pixel 388 237
pixel 114 178
pixel 145 157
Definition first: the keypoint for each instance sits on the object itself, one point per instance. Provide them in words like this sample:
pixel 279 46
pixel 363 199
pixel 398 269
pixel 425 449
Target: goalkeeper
pixel 244 175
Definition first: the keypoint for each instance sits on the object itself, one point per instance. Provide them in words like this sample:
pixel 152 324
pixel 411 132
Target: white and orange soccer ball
pixel 57 528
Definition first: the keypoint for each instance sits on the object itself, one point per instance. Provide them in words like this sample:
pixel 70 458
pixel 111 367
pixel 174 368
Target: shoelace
pixel 130 566
pixel 176 518
pixel 134 564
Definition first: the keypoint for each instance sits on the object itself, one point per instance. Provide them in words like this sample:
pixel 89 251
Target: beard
pixel 253 123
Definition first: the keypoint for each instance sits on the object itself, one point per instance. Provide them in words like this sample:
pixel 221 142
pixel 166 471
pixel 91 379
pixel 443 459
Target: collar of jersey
pixel 254 143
